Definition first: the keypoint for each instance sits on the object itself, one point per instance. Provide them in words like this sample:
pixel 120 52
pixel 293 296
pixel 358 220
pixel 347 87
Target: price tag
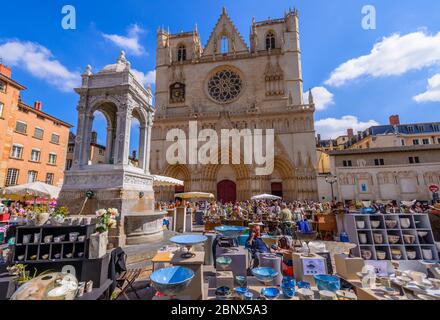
pixel 380 267
pixel 313 267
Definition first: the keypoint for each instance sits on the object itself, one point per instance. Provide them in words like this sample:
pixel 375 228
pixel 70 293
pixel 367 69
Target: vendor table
pixel 98 292
pixel 162 258
pixel 254 286
pixel 239 258
pixel 370 294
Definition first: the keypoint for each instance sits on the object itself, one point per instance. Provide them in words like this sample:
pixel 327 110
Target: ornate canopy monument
pixel 119 182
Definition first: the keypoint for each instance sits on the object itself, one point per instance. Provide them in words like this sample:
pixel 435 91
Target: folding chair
pixel 126 281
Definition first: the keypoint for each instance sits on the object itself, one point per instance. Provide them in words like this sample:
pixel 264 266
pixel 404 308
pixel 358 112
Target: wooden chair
pixel 126 281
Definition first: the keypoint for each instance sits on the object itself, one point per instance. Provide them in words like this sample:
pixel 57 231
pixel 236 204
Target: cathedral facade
pixel 227 84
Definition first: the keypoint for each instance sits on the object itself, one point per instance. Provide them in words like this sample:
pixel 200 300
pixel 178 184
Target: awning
pixel 266 197
pixel 33 190
pixel 194 195
pixel 162 181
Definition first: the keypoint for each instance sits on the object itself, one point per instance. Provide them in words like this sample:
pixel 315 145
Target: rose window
pixel 225 86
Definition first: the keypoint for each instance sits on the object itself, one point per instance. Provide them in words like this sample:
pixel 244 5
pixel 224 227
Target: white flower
pixel 114 212
pixel 112 224
pixel 101 212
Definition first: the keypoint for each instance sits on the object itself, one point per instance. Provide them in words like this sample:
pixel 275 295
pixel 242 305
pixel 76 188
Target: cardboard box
pixel 348 267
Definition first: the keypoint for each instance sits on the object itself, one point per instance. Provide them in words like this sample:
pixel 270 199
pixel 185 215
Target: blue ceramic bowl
pixel 171 281
pixel 189 240
pixel 265 274
pixel 289 282
pixel 288 292
pixel 270 293
pixel 231 231
pixel 304 285
pixel 329 283
pixel 241 291
pixel 223 262
pixel 367 211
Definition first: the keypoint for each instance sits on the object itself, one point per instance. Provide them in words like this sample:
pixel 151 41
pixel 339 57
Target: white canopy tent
pixel 266 197
pixel 162 181
pixel 33 190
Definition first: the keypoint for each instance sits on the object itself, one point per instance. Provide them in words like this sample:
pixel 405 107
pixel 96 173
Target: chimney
pixel 5 70
pixel 395 120
pixel 350 133
pixel 94 139
pixel 38 105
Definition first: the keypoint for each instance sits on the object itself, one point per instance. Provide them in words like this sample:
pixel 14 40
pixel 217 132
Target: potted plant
pixel 59 215
pixel 106 219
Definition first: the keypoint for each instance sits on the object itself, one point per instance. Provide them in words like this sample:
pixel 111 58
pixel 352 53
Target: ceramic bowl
pixel 411 254
pixel 381 255
pixel 435 283
pixel 81 238
pixel 409 238
pixel 270 293
pixel 392 239
pixel 172 280
pixel 378 238
pixel 241 291
pixel 427 254
pixel 366 254
pixel 34 257
pixel 360 224
pixel 223 293
pixel 363 239
pixel 45 257
pixel 48 239
pixel 288 292
pixel 375 224
pixel 422 234
pixel 57 256
pixel 264 274
pixel 391 224
pixel 397 254
pixel 20 258
pixel 80 254
pixel 248 296
pixel 69 255
pixel 304 285
pixel 223 262
pixel 405 223
pixel 231 231
pixel 328 283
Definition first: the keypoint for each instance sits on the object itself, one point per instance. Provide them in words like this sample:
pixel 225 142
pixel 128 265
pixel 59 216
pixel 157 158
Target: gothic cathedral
pixel 228 84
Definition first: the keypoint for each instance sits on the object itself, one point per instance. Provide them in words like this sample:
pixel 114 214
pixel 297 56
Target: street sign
pixel 434 188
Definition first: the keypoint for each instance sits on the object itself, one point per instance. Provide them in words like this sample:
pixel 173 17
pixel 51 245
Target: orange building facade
pixel 34 143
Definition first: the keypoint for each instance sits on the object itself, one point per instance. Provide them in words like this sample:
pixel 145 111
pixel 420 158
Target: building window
pixel 421 128
pixel 413 160
pixel 224 45
pixel 2 86
pixel 225 86
pixel 425 141
pixel 17 151
pixel 38 133
pixel 35 155
pixel 32 176
pixel 416 142
pixel 181 53
pixel 270 41
pixel 12 177
pixel 402 142
pixel 410 129
pixel 50 178
pixel 2 106
pixel 69 163
pixel 52 158
pixel 347 163
pixel 20 127
pixel 55 138
pixel 379 162
pixel 435 127
pixel 438 140
pixel 71 149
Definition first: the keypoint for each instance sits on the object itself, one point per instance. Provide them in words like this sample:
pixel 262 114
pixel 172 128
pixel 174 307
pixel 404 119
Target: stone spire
pixel 88 71
pixel 311 102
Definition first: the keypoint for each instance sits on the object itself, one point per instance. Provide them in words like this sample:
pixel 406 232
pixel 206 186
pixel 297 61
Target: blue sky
pixel 354 86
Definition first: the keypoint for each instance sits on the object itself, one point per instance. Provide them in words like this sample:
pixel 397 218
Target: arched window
pixel 181 53
pixel 224 45
pixel 270 40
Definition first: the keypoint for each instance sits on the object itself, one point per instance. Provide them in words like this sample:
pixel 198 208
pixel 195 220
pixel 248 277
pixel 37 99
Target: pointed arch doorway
pixel 226 191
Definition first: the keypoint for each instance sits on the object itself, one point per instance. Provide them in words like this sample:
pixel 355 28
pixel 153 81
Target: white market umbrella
pixel 34 189
pixel 162 181
pixel 266 197
pixel 194 195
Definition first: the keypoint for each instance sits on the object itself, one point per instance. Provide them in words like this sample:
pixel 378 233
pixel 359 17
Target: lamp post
pixel 331 180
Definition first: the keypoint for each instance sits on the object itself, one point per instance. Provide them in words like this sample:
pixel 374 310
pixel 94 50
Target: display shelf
pixel 414 232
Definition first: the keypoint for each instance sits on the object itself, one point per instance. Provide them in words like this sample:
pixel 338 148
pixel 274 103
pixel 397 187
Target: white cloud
pixel 146 79
pixel 130 43
pixel 322 97
pixel 432 94
pixel 392 56
pixel 39 61
pixel 331 128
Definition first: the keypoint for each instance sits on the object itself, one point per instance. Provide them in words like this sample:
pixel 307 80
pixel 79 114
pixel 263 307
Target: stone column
pixel 110 145
pixel 86 134
pixel 148 144
pixel 123 137
pixel 142 147
pixel 79 139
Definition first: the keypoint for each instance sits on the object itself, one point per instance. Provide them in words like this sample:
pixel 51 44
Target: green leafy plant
pixel 61 211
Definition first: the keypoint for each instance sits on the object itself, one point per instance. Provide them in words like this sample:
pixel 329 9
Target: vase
pixel 98 245
pixel 42 218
